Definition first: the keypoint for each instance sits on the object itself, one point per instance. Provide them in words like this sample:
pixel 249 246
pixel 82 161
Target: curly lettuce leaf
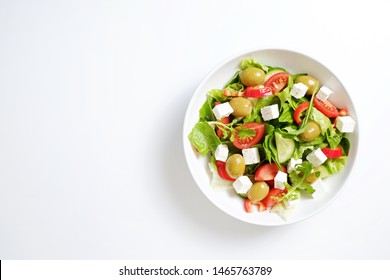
pixel 250 62
pixel 334 165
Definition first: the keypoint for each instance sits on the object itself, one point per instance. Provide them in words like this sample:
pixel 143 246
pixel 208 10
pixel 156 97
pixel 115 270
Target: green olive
pixel 235 166
pixel 312 131
pixel 242 106
pixel 312 83
pixel 258 191
pixel 252 76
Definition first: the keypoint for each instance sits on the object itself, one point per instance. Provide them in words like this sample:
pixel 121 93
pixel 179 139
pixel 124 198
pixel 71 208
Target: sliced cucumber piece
pixel 285 147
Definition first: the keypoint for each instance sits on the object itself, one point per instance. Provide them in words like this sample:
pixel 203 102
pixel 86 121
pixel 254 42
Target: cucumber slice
pixel 285 147
pixel 272 72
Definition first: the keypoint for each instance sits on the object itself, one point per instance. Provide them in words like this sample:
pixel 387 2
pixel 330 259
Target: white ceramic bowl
pixel 230 202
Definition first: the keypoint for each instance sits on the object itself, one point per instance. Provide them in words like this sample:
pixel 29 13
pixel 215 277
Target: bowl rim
pixel 186 143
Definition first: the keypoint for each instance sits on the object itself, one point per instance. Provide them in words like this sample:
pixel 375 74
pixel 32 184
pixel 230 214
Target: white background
pixel 92 100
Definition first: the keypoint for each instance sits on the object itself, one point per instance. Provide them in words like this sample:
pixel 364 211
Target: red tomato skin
pixel 224 120
pixel 325 107
pixel 267 172
pixel 261 205
pixel 221 167
pixel 258 92
pixel 333 153
pixel 299 110
pixel 269 201
pixel 248 206
pixel 277 82
pixel 251 140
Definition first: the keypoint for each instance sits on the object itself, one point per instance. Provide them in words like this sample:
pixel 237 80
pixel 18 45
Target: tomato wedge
pixel 299 110
pixel 325 107
pixel 277 82
pixel 270 200
pixel 267 172
pixel 258 92
pixel 248 205
pixel 333 153
pixel 221 167
pixel 247 142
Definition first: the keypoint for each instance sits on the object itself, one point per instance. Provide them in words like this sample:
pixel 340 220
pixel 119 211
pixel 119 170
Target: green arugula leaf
pixel 297 178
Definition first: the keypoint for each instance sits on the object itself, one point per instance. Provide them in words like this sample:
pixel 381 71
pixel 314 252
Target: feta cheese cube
pixel 290 203
pixel 299 90
pixel 251 155
pixel 222 152
pixel 292 163
pixel 280 179
pixel 242 184
pixel 270 112
pixel 345 124
pixel 317 157
pixel 222 110
pixel 320 186
pixel 324 92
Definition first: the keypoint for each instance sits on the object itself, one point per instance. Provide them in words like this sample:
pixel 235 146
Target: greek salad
pixel 272 136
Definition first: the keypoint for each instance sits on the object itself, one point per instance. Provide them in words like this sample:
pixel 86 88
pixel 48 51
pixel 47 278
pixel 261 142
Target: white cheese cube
pixel 317 157
pixel 222 110
pixel 242 184
pixel 251 155
pixel 324 92
pixel 222 152
pixel 270 112
pixel 280 179
pixel 292 163
pixel 290 203
pixel 345 124
pixel 320 186
pixel 299 90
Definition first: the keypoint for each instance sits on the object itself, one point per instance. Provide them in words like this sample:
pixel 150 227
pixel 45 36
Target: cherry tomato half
pixel 277 82
pixel 333 153
pixel 267 172
pixel 221 167
pixel 325 107
pixel 270 200
pixel 247 142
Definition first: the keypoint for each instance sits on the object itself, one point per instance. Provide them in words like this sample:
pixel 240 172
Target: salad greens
pixel 298 138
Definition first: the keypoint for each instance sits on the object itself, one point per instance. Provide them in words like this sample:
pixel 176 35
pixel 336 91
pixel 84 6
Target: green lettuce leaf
pixel 250 62
pixel 333 137
pixel 206 112
pixel 203 138
pixel 334 165
pixel 322 120
pixel 286 115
